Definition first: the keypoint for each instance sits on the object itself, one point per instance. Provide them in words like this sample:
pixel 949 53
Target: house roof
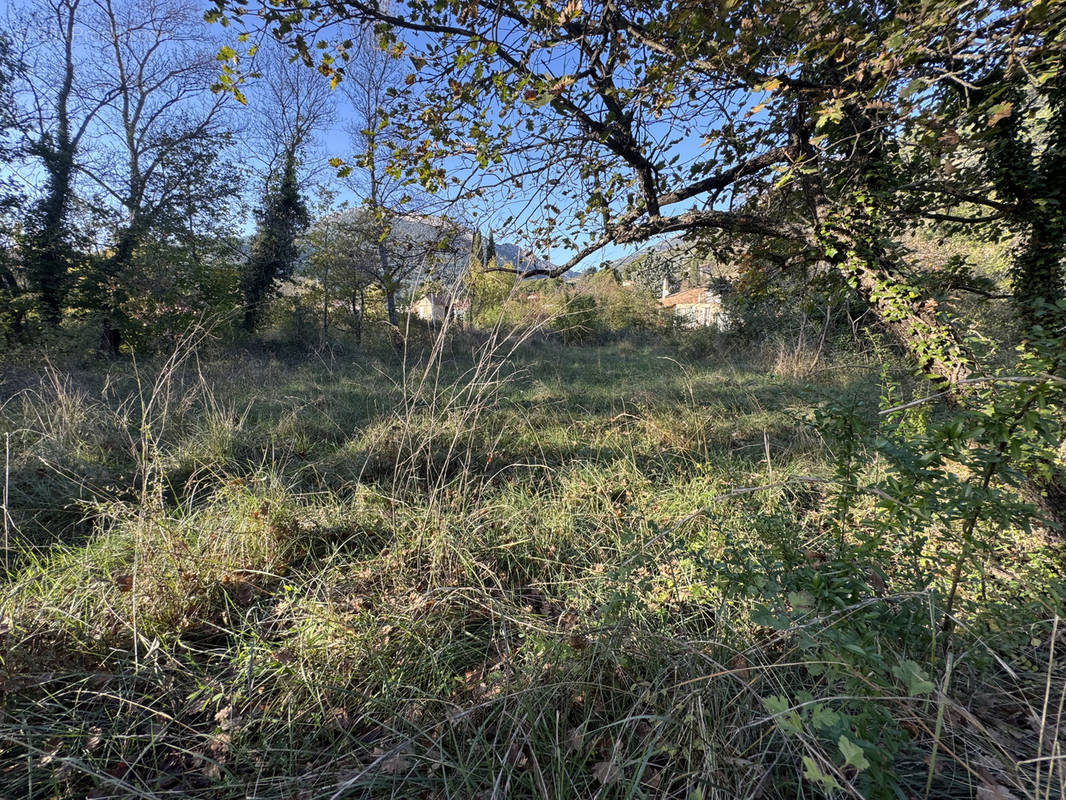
pixel 687 297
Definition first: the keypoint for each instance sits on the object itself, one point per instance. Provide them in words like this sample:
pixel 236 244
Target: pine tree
pixel 273 256
pixel 490 251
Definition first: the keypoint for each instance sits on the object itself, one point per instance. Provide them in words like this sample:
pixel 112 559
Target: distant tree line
pixel 146 184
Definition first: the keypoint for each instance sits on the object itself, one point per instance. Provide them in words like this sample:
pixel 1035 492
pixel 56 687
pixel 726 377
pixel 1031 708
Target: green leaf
pixel 824 717
pixel 780 708
pixel 800 601
pixel 914 677
pixel 999 111
pixel 853 753
pixel 762 615
pixel 815 775
pixel 911 88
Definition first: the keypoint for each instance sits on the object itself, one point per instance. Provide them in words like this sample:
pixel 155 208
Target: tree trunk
pixel 1032 182
pixel 939 351
pixel 357 314
pixel 935 345
pixel 49 250
pixel 111 336
pixel 390 306
pixel 325 307
pixel 1038 272
pixel 48 256
pixel 110 339
pixel 9 293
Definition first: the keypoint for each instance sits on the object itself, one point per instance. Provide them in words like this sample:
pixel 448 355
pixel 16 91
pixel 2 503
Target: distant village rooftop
pixel 695 307
pixel 693 296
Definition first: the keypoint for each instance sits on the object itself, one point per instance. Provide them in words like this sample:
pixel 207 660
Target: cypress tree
pixel 274 253
pixel 477 250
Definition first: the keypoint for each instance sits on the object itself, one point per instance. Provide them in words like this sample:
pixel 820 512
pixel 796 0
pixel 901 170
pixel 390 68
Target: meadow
pixel 495 569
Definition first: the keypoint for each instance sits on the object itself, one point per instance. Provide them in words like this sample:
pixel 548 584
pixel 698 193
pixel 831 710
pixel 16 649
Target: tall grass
pixel 526 571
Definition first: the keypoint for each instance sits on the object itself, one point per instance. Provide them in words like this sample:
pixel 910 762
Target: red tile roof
pixel 685 297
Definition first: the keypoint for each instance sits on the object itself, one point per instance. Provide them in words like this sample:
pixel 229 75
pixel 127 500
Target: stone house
pixel 436 307
pixel 696 307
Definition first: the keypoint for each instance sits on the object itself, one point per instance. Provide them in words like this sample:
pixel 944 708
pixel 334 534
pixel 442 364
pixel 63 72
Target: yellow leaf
pixel 998 112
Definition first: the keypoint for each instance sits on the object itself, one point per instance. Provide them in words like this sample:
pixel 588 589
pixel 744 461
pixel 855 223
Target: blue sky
pixel 334 141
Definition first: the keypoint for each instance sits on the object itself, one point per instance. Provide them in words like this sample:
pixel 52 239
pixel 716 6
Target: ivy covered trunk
pixel 49 253
pixel 1031 182
pixel 931 341
pixel 915 321
pixel 934 345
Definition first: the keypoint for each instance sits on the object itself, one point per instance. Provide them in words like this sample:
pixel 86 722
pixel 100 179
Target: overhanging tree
pixel 682 118
pixel 812 134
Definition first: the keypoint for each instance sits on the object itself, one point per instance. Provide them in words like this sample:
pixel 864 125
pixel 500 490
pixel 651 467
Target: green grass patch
pixel 578 572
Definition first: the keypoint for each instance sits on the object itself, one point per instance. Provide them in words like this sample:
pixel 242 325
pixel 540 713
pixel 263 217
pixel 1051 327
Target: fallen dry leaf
pixel 575 740
pixel 515 756
pixel 392 765
pixel 284 656
pixel 227 719
pixel 606 772
pixel 739 665
pixel 244 593
pixel 211 771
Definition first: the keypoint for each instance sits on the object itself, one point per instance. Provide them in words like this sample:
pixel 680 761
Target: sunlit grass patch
pixel 603 573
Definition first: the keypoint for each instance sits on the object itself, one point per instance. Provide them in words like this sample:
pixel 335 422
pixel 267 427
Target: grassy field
pixel 568 572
